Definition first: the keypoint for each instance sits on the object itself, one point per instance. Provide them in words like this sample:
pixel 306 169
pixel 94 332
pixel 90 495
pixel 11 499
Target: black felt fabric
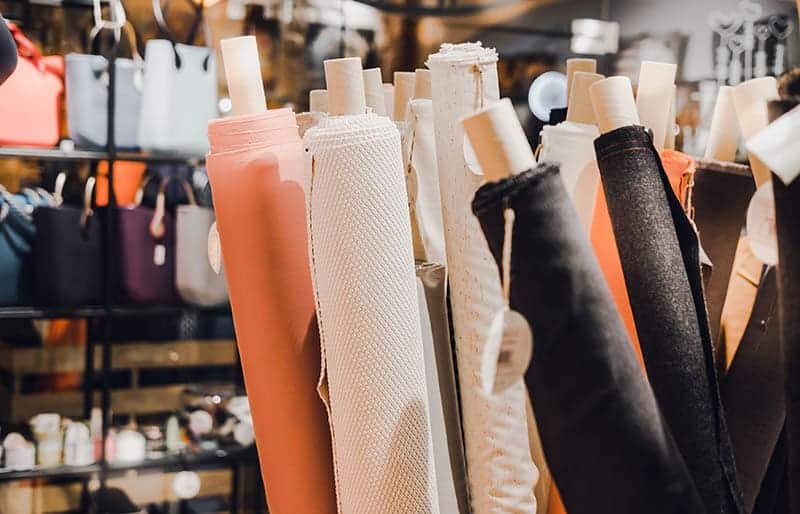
pixel 659 252
pixel 773 496
pixel 601 430
pixel 720 196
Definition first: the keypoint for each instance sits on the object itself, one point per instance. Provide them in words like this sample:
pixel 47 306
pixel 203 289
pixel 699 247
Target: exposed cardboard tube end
pixel 388 99
pixel 750 101
pixel 613 103
pixel 577 64
pixel 403 92
pixel 373 91
pixel 345 84
pixel 654 97
pixel 579 105
pixel 318 100
pixel 498 140
pixel 243 75
pixel 422 83
pixel 723 136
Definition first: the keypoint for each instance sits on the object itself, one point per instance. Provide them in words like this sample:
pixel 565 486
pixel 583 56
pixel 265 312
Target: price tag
pixel 508 352
pixel 214 249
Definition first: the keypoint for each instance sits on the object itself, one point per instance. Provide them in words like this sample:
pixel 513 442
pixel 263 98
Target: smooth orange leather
pixel 127 177
pixel 30 100
pixel 256 172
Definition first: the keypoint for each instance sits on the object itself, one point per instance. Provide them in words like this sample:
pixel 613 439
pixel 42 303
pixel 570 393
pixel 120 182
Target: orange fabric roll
pixel 256 172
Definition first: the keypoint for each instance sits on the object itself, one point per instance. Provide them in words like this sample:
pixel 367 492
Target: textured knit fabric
pixel 604 438
pixel 721 194
pixel 499 466
pixel 362 267
pixel 660 257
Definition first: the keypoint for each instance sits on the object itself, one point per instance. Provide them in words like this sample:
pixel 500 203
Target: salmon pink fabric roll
pixel 256 172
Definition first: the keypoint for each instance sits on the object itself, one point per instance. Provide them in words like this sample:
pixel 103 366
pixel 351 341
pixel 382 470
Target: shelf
pixel 118 311
pixel 56 154
pixel 185 460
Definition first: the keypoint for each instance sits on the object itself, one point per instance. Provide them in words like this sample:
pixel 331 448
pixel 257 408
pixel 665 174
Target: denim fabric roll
pixel 722 191
pixel 659 252
pixel 602 433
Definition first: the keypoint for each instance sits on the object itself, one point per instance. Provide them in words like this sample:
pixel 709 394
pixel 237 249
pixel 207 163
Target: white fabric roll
pixel 499 466
pixel 419 156
pixel 362 267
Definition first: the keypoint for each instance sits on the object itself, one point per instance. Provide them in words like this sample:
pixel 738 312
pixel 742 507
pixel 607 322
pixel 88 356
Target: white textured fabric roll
pixel 499 466
pixel 362 267
pixel 419 156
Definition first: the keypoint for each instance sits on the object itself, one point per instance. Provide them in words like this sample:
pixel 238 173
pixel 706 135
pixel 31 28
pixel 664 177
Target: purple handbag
pixel 147 251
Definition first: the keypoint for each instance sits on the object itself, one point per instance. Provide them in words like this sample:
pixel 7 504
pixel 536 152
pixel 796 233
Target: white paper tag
pixel 507 353
pixel 214 249
pixel 761 231
pixel 470 158
pixel 159 255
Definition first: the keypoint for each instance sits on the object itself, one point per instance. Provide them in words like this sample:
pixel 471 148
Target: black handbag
pixel 67 253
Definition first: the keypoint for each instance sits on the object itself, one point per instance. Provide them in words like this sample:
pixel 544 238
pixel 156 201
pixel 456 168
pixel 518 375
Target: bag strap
pixel 25 47
pixel 130 33
pixel 157 226
pixel 161 20
pixel 88 211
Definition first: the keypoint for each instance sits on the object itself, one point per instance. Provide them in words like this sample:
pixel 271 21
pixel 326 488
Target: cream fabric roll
pixel 362 266
pixel 419 156
pixel 499 466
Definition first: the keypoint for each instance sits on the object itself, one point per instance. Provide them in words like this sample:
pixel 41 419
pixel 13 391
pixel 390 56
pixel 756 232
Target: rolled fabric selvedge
pixel 499 466
pixel 256 173
pixel 605 417
pixel 660 257
pixel 362 268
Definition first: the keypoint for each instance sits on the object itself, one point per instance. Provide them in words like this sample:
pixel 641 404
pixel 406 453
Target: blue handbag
pixel 16 240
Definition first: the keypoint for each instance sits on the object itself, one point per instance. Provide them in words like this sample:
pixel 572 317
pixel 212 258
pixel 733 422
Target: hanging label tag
pixel 761 231
pixel 507 353
pixel 214 249
pixel 159 255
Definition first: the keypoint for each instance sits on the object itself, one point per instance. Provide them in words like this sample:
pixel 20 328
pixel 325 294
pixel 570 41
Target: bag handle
pixel 25 47
pixel 197 22
pixel 88 212
pixel 157 226
pixel 130 34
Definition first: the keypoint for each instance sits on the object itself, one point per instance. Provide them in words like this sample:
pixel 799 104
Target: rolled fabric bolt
pixel 403 92
pixel 654 98
pixel 422 83
pixel 498 140
pixel 373 91
pixel 388 99
pixel 345 84
pixel 579 104
pixel 578 64
pixel 723 136
pixel 613 103
pixel 243 73
pixel 318 100
pixel 750 101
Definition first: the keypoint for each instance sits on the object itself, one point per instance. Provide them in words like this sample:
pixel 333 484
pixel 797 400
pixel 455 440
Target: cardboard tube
pixel 579 105
pixel 499 142
pixel 750 102
pixel 613 103
pixel 345 86
pixel 318 100
pixel 654 96
pixel 243 74
pixel 578 64
pixel 388 100
pixel 669 136
pixel 422 83
pixel 373 91
pixel 403 92
pixel 723 136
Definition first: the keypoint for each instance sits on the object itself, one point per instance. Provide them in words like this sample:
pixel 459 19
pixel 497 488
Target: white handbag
pixel 197 283
pixel 179 97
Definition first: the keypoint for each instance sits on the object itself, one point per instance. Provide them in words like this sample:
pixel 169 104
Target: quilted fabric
pixel 362 267
pixel 499 466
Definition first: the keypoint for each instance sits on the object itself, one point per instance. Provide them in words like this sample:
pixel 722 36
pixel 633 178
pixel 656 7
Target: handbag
pixel 16 241
pixel 179 97
pixel 67 252
pixel 30 99
pixel 197 283
pixel 87 98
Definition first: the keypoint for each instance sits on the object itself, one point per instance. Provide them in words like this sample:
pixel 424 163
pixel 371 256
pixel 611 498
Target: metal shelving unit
pixel 56 154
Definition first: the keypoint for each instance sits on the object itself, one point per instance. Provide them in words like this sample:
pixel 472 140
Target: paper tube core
pixel 578 64
pixel 579 105
pixel 345 84
pixel 373 91
pixel 498 140
pixel 403 92
pixel 422 83
pixel 654 97
pixel 388 99
pixel 318 100
pixel 723 136
pixel 613 103
pixel 243 75
pixel 750 102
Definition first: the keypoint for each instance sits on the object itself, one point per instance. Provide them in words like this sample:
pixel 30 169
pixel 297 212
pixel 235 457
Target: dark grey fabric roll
pixel 8 52
pixel 601 430
pixel 752 392
pixel 773 496
pixel 721 194
pixel 659 252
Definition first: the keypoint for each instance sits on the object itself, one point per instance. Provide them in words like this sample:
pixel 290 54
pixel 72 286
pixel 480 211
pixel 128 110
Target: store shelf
pixel 56 154
pixel 119 311
pixel 185 460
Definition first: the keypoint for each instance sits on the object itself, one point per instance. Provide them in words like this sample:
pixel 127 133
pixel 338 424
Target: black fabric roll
pixel 8 52
pixel 721 194
pixel 557 116
pixel 659 252
pixel 601 430
pixel 773 496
